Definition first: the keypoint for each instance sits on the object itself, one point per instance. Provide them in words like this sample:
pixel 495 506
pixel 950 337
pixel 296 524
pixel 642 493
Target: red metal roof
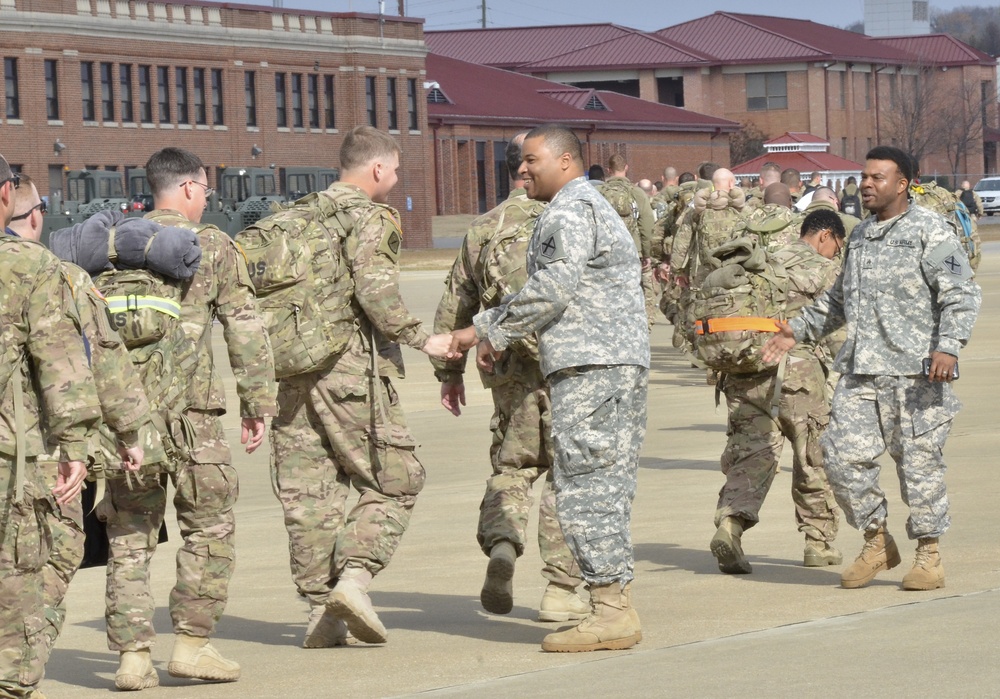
pixel 938 49
pixel 634 50
pixel 804 162
pixel 739 38
pixel 509 47
pixel 512 98
pixel 795 137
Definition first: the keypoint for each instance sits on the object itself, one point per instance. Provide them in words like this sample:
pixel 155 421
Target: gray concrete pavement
pixel 783 631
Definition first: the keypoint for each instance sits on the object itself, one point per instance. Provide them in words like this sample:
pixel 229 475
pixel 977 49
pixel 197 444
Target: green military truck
pixel 87 192
pixel 300 181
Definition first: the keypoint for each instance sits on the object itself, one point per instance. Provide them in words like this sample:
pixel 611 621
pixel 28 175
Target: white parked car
pixel 988 190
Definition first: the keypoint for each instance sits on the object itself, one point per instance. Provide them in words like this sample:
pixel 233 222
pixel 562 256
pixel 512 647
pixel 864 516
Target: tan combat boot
pixel 820 553
pixel 325 630
pixel 135 671
pixel 497 595
pixel 927 573
pixel 612 624
pixel 728 549
pixel 561 603
pixel 349 601
pixel 879 553
pixel 198 659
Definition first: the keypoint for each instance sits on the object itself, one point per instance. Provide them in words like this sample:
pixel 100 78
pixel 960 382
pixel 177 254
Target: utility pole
pixel 483 6
pixel 402 8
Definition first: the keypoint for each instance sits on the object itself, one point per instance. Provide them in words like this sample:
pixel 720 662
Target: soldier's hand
pixel 647 262
pixel 462 340
pixel 662 273
pixel 942 367
pixel 782 341
pixel 252 434
pixel 682 281
pixel 439 346
pixel 131 458
pixel 69 482
pixel 453 397
pixel 486 356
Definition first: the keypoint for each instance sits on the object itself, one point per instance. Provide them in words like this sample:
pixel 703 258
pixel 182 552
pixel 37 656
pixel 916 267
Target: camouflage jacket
pixel 641 228
pixel 850 222
pixel 809 275
pixel 665 209
pixel 906 290
pixel 372 256
pixel 39 321
pixel 583 296
pixel 221 290
pixel 491 265
pixel 768 217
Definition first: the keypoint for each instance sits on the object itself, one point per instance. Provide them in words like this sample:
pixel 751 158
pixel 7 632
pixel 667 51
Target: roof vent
pixel 596 105
pixel 435 96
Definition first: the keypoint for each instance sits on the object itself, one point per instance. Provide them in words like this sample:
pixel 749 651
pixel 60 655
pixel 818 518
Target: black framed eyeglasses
pixel 15 178
pixel 41 207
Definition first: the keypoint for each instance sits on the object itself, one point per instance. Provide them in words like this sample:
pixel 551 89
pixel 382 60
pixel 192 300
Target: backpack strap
pixel 495 240
pixel 20 433
pixel 112 250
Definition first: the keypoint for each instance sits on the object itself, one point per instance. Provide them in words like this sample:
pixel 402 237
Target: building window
pixel 107 93
pixel 182 95
pixel 766 91
pixel 843 146
pixel 145 101
pixel 218 117
pixel 390 93
pixel 198 85
pixel 163 93
pixel 329 112
pixel 87 90
pixel 868 90
pixel 411 102
pixel 312 87
pixel 10 84
pixel 280 102
pixel 125 91
pixel 250 91
pixel 51 89
pixel 297 100
pixel 370 101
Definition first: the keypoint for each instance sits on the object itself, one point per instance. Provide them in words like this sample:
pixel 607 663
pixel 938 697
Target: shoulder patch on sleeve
pixel 950 257
pixel 392 236
pixel 551 248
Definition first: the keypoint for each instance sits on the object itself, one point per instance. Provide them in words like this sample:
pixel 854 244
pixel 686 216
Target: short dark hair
pixel 596 172
pixel 559 139
pixel 707 169
pixel 790 177
pixel 686 177
pixel 513 155
pixel 822 220
pixel 363 144
pixel 772 166
pixel 168 166
pixel 905 163
pixel 5 171
pixel 852 180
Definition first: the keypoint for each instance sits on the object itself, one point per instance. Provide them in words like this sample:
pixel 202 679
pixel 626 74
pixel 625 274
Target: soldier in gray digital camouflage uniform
pixel 490 266
pixel 908 300
pixel 584 301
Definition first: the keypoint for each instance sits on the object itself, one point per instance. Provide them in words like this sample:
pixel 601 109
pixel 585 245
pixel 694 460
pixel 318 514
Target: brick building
pixel 105 83
pixel 778 73
pixel 471 126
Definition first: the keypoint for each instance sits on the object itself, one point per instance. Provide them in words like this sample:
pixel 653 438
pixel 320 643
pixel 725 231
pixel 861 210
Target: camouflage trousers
pixel 204 497
pixel 755 441
pixel 598 424
pixel 521 453
pixel 911 418
pixel 651 294
pixel 25 546
pixel 330 434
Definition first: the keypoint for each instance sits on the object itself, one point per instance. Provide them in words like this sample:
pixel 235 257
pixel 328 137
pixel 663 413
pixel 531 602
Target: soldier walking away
pixel 44 380
pixel 206 486
pixel 757 431
pixel 491 266
pixel 342 424
pixel 898 362
pixel 584 301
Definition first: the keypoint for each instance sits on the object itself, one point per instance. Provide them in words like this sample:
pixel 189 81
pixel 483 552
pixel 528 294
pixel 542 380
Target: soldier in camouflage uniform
pixel 774 222
pixel 344 425
pixel 207 486
pixel 908 300
pixel 770 173
pixel 825 198
pixel 489 267
pixel 124 411
pixel 45 384
pixel 935 198
pixel 583 300
pixel 756 436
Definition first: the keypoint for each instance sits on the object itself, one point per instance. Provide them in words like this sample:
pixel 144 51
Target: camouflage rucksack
pixel 736 307
pixel 618 192
pixel 718 218
pixel 144 309
pixel 503 260
pixel 774 226
pixel 938 199
pixel 303 286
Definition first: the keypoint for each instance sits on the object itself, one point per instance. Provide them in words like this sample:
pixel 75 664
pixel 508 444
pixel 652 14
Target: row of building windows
pixel 299 102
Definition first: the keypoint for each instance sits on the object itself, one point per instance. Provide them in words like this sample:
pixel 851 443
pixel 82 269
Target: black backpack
pixel 969 199
pixel 851 204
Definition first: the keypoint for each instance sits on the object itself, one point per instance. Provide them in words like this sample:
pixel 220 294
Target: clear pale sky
pixel 648 15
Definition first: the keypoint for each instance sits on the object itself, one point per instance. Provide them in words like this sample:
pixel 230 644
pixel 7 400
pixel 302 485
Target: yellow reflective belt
pixel 122 304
